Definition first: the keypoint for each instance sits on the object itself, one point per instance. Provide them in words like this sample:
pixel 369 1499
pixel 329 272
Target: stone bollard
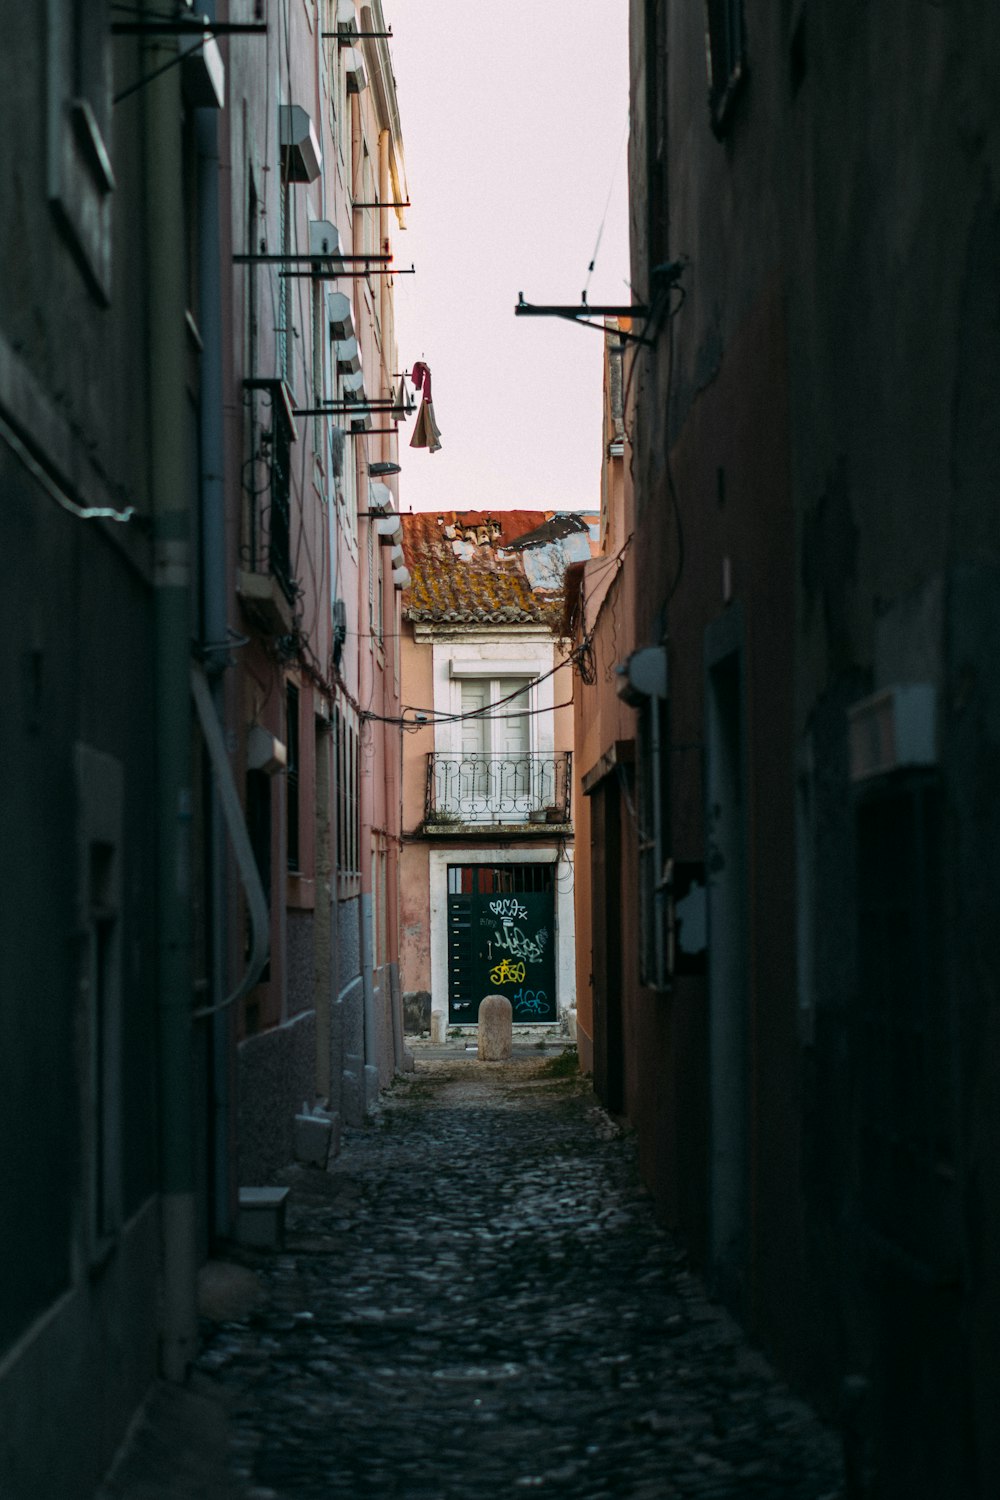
pixel 496 1020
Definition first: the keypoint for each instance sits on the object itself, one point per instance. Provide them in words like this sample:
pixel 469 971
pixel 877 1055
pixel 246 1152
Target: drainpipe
pixel 370 1084
pixel 214 626
pixel 366 680
pixel 168 422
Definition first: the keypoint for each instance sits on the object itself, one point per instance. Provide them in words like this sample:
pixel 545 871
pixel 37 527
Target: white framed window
pixel 492 774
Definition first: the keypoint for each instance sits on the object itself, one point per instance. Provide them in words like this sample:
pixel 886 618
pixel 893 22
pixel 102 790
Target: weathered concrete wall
pixel 86 1367
pixel 415 946
pixel 816 447
pixel 300 963
pixel 277 1074
pixel 78 1230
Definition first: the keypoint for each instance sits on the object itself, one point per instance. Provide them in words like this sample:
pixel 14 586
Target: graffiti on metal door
pixel 502 943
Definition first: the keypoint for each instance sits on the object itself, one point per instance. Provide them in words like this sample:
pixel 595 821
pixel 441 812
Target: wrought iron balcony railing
pixel 473 788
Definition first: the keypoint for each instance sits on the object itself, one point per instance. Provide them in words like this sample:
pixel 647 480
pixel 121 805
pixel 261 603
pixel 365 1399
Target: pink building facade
pixel 312 392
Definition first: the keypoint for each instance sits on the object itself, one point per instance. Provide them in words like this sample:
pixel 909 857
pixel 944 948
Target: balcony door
pixel 495 771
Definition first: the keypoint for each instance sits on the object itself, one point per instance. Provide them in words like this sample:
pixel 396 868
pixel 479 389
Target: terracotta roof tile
pixel 463 568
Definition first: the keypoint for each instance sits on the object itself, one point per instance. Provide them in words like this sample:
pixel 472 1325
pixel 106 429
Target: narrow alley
pixel 475 1299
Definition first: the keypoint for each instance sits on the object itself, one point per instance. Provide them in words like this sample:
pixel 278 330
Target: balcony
pixel 511 792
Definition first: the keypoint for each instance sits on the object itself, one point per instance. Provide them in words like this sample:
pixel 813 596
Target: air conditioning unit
pixel 324 238
pixel 265 752
pixel 203 73
pixel 340 315
pixel 893 730
pixel 347 20
pixel 380 499
pixel 401 578
pixel 301 157
pixel 390 530
pixel 355 384
pixel 396 557
pixel 348 355
pixel 354 70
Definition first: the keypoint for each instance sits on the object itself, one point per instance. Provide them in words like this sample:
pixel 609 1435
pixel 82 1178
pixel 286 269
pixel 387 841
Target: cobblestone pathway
pixel 476 1301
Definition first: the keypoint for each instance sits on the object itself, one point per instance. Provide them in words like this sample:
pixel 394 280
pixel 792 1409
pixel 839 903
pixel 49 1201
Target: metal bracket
pixel 346 38
pixel 319 275
pixel 183 25
pixel 583 314
pixel 292 260
pixel 356 408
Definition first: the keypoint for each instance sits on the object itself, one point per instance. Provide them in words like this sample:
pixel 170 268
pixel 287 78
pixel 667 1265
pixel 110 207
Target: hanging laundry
pixel 426 433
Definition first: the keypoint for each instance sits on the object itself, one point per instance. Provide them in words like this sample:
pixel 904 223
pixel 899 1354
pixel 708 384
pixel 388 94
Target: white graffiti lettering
pixel 509 909
pixel 515 941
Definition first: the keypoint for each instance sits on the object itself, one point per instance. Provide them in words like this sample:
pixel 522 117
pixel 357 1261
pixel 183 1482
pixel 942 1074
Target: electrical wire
pixel 607 205
pixel 431 716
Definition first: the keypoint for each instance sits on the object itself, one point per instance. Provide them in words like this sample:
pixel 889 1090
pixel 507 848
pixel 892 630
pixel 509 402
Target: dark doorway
pixel 728 957
pixel 606 941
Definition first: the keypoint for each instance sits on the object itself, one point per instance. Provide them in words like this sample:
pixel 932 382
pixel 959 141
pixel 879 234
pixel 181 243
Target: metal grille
pixel 480 788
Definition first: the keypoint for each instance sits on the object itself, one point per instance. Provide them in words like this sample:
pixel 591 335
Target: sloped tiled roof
pixel 464 568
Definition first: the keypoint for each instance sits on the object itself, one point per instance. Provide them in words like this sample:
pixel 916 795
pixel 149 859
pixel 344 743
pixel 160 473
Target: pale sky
pixel 513 120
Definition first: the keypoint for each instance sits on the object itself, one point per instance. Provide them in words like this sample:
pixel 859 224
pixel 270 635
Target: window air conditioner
pixel 301 157
pixel 203 71
pixel 324 238
pixel 340 315
pixel 379 497
pixel 347 19
pixel 893 730
pixel 354 70
pixel 348 355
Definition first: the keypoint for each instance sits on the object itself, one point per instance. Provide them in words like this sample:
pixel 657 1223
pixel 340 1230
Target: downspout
pixel 168 421
pixel 214 629
pixel 370 1090
pixel 366 678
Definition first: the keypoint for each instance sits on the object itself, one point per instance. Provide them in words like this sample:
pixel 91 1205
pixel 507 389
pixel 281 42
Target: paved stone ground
pixel 475 1300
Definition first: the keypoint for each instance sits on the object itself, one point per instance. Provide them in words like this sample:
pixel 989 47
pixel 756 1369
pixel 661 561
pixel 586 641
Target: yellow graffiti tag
pixel 507 972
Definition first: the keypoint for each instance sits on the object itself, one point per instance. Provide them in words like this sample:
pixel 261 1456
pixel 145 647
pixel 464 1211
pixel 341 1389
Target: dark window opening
pixel 347 771
pixel 280 530
pixel 259 829
pixel 904 1035
pixel 653 789
pixel 726 48
pixel 292 777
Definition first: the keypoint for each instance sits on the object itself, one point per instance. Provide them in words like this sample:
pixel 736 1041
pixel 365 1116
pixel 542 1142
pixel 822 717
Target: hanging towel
pixel 426 433
pixel 421 378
